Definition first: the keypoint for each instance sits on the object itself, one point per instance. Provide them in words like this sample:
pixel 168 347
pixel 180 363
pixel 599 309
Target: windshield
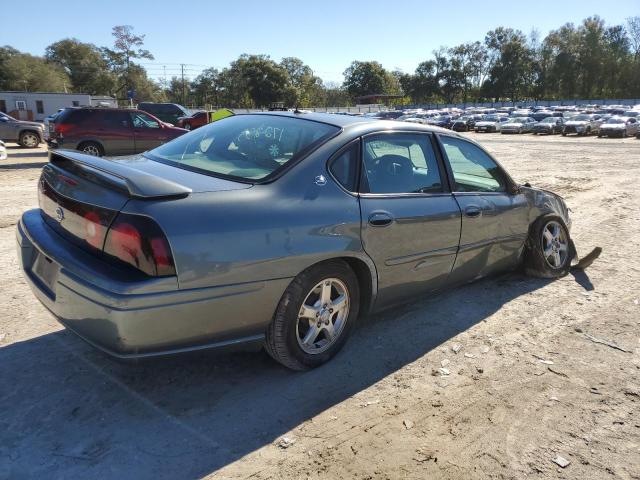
pixel 517 120
pixel 581 118
pixel 490 118
pixel 549 120
pixel 249 147
pixel 617 120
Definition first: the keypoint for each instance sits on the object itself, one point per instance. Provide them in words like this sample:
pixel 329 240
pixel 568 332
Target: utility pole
pixel 182 69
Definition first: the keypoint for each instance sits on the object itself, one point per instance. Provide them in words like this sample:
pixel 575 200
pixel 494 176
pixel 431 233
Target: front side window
pixel 39 106
pixel 249 147
pixel 473 170
pixel 142 120
pixel 401 163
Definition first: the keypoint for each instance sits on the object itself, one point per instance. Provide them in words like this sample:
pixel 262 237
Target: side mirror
pixel 514 189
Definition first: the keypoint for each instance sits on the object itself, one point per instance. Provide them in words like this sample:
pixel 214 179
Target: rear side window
pixel 345 167
pixel 73 116
pixel 115 119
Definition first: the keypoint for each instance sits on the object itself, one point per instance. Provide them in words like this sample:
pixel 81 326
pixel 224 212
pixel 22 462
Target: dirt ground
pixel 527 383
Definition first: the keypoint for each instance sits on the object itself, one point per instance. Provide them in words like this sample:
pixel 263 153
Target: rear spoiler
pixel 136 183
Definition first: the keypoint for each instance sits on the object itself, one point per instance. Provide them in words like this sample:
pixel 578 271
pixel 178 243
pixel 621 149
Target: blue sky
pixel 326 34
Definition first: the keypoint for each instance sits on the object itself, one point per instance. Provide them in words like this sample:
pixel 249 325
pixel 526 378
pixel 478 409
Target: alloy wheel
pixel 91 150
pixel 555 244
pixel 323 315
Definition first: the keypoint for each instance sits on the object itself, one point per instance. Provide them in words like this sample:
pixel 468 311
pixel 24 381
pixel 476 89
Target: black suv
pixel 167 112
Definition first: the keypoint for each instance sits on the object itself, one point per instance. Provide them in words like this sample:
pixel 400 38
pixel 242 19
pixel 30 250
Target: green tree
pixel 366 78
pixel 23 72
pixel 126 48
pixel 85 65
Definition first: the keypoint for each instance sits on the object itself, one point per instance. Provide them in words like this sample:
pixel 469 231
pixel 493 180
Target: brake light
pixel 139 242
pixel 62 129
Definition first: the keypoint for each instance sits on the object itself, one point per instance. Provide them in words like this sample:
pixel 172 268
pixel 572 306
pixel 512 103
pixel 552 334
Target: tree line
pixel 587 61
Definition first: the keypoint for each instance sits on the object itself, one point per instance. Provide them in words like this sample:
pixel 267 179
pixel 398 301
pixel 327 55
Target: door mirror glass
pixel 473 169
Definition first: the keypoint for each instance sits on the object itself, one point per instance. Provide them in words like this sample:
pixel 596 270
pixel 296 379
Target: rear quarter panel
pixel 265 232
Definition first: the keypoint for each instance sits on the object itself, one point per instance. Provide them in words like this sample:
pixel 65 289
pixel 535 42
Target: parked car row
pixel 612 121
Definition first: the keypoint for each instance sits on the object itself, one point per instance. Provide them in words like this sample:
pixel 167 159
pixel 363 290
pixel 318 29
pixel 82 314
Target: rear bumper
pixel 138 318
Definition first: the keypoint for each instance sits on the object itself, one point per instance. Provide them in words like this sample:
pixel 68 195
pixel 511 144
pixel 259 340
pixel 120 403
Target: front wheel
pixel 29 140
pixel 314 317
pixel 548 251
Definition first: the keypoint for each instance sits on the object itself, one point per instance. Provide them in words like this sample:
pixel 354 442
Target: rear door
pixel 115 131
pixel 147 130
pixel 410 221
pixel 495 222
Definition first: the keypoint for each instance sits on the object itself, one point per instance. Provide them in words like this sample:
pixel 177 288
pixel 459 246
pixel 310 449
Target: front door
pixel 410 221
pixel 495 222
pixel 147 130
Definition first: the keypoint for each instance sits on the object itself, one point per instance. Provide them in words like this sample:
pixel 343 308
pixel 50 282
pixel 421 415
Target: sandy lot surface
pixel 527 382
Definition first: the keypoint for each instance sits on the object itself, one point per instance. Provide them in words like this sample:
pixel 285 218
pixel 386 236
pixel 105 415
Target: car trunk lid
pixel 80 196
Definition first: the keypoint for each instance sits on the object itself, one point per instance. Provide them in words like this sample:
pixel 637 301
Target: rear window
pixel 248 147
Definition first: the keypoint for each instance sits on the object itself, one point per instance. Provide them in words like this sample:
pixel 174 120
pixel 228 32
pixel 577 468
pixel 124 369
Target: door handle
pixel 380 219
pixel 472 212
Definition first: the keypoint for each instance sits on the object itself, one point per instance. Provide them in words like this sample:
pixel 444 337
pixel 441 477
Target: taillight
pixel 61 129
pixel 140 242
pixel 93 229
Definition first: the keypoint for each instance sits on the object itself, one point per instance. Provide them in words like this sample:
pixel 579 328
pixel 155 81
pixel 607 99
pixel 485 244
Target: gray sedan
pixel 279 229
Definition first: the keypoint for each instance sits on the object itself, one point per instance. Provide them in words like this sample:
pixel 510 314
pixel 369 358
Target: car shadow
pixel 66 411
pixel 22 166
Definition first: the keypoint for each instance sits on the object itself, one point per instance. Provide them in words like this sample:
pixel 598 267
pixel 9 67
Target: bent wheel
pixel 314 317
pixel 549 250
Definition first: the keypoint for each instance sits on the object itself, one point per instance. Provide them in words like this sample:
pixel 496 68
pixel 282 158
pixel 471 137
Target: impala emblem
pixel 59 214
pixel 320 180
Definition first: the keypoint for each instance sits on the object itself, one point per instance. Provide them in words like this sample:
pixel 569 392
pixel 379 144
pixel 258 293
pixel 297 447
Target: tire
pixel 29 139
pixel 564 134
pixel 587 132
pixel 283 339
pixel 555 264
pixel 91 148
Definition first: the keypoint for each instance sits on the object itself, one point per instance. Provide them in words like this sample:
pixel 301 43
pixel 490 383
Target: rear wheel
pixel 29 140
pixel 91 148
pixel 549 251
pixel 314 317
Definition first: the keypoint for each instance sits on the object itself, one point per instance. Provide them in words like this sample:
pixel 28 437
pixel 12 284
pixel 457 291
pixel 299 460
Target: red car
pixel 194 121
pixel 109 131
